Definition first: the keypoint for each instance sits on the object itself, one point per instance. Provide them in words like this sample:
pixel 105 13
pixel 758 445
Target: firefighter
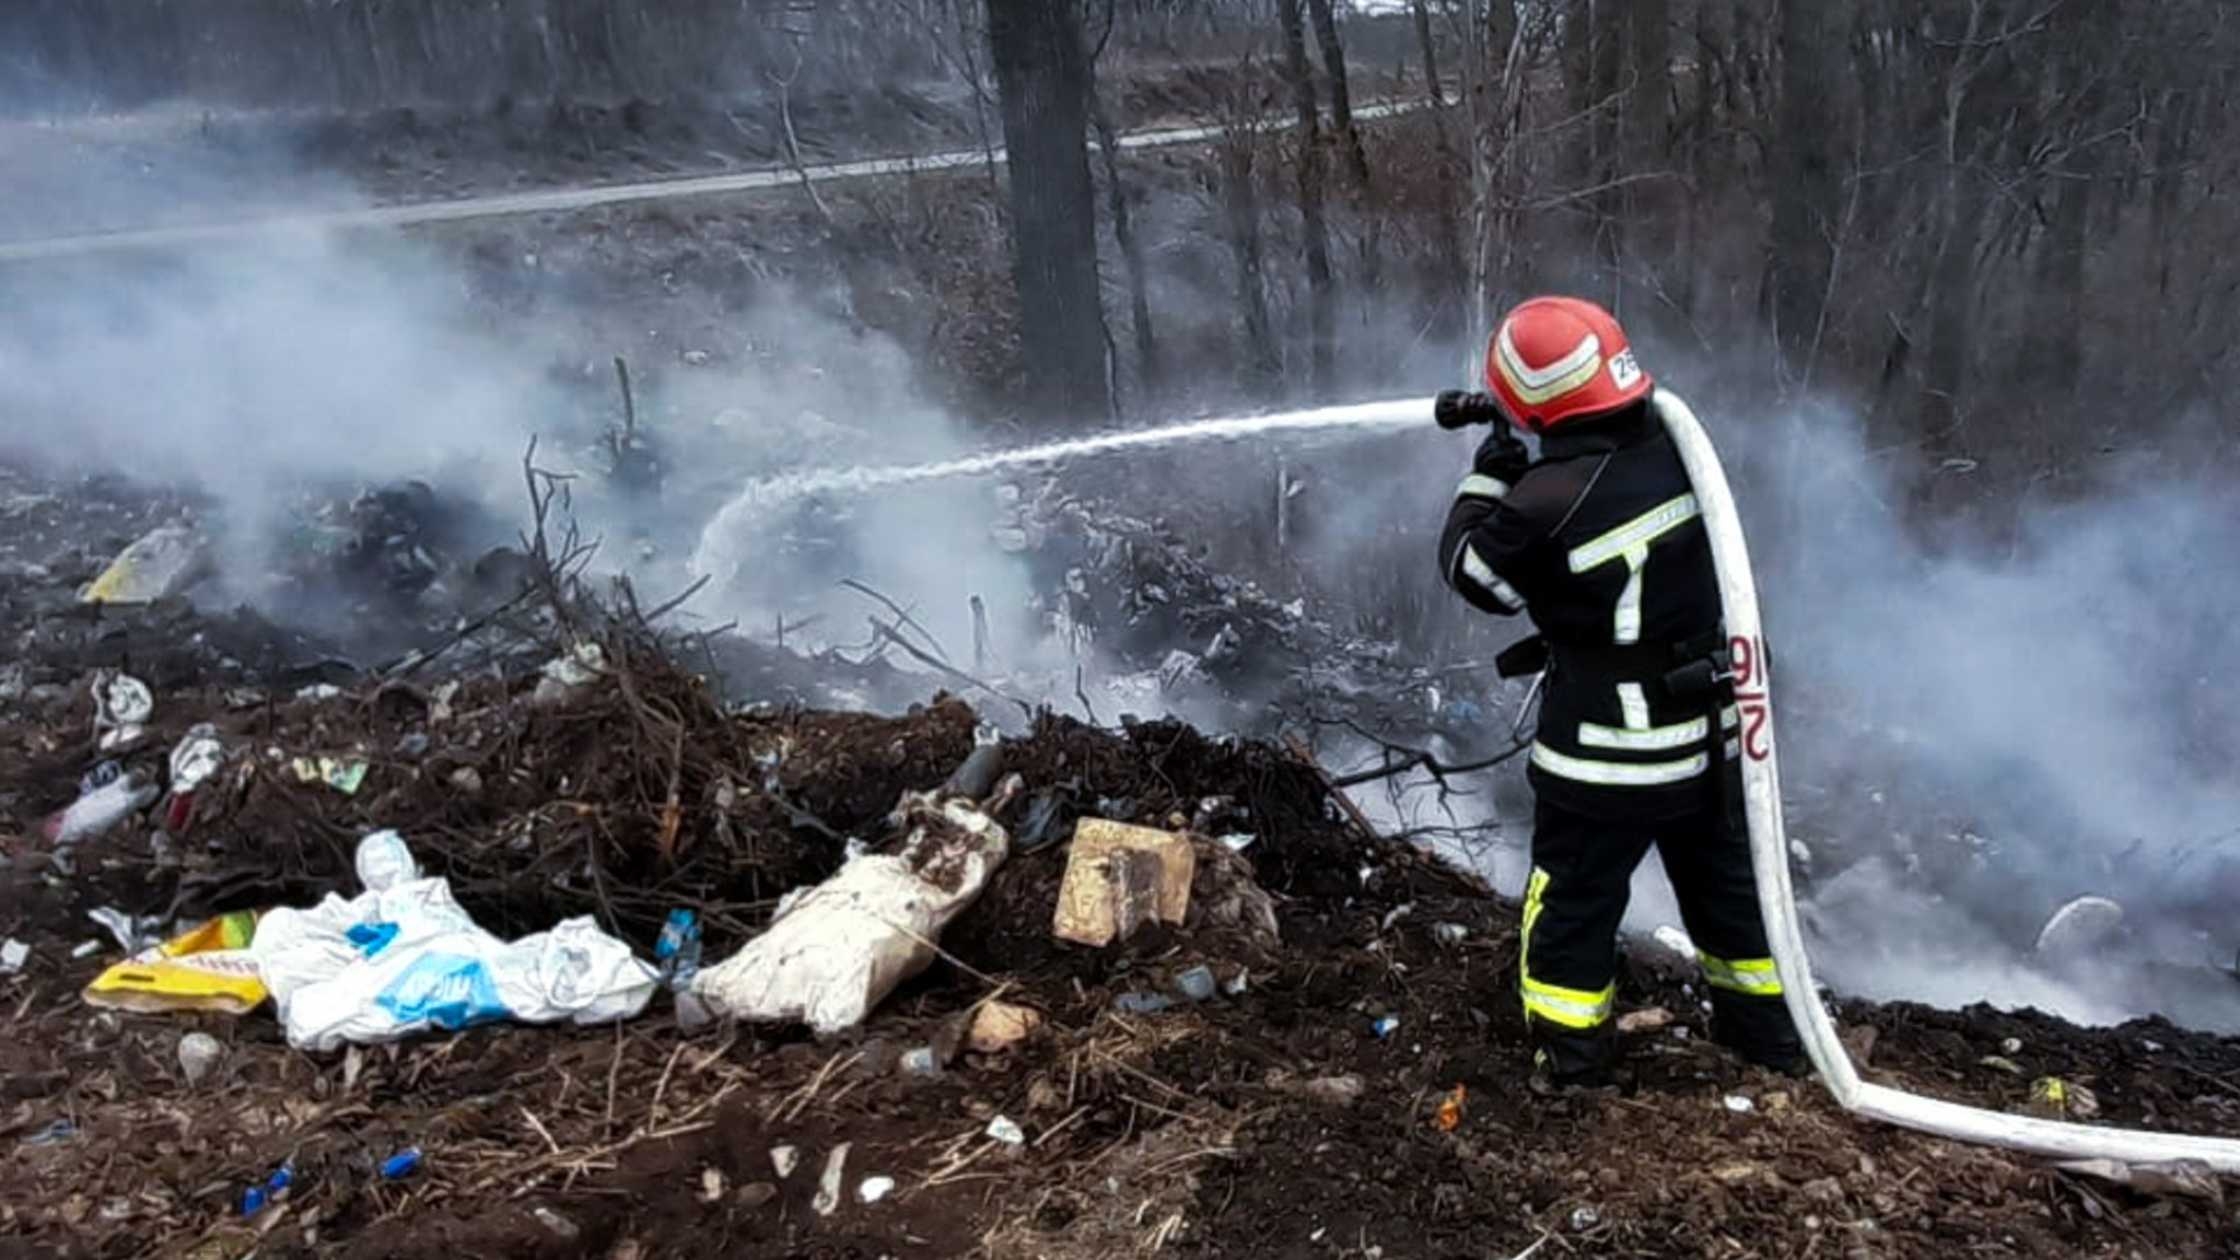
pixel 1601 542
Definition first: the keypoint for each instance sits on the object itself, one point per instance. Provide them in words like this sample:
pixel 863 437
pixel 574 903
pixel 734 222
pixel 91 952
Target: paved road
pixel 561 200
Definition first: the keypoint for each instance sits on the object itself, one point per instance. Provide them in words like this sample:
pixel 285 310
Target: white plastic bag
pixel 837 950
pixel 402 957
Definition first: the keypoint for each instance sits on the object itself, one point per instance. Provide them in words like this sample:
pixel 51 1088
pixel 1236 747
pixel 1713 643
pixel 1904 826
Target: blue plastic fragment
pixel 402 1164
pixel 252 1201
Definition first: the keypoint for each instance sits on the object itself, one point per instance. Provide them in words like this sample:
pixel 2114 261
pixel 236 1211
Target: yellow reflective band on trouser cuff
pixel 1572 1008
pixel 1756 977
pixel 1618 773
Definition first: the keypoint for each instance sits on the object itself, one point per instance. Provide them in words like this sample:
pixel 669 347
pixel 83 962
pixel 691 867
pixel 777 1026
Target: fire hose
pixel 1751 675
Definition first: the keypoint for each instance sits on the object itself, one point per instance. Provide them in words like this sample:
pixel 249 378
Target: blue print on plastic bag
pixel 372 938
pixel 447 990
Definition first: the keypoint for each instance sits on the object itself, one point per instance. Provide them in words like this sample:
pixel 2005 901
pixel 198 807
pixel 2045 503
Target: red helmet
pixel 1557 358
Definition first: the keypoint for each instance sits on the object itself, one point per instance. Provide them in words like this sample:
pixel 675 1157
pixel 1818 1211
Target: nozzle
pixel 1459 409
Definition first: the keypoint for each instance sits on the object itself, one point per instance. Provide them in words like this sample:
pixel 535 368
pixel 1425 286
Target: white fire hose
pixel 1769 853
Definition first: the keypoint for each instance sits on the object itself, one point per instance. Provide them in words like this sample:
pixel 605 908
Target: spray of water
pixel 717 554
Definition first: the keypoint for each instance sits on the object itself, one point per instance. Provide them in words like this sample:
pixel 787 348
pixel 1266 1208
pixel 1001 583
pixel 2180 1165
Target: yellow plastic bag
pixel 206 969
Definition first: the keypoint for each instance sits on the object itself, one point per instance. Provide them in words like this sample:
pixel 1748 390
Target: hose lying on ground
pixel 1769 849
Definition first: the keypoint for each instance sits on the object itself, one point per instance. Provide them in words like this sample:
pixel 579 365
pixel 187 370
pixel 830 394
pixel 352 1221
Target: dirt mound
pixel 1293 1109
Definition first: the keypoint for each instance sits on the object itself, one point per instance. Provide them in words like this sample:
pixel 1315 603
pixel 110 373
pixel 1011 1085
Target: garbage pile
pixel 1185 635
pixel 587 954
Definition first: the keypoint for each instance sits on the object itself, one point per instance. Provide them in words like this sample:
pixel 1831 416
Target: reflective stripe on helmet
pixel 1756 977
pixel 1571 1008
pixel 1537 385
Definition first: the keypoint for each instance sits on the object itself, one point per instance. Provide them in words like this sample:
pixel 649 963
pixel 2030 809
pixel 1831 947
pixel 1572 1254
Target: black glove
pixel 1502 456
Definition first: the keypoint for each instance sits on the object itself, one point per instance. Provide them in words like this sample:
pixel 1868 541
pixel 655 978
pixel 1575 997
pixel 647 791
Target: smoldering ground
pixel 2006 721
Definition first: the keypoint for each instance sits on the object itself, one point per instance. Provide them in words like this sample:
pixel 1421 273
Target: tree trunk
pixel 1430 53
pixel 1320 313
pixel 1807 192
pixel 1240 203
pixel 1341 94
pixel 1042 74
pixel 1648 106
pixel 1131 249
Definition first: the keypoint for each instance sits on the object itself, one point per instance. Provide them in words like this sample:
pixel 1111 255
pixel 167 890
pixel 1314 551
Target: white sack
pixel 402 957
pixel 837 950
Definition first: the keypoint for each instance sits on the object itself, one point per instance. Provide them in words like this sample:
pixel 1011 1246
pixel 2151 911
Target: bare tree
pixel 1321 300
pixel 1042 73
pixel 1341 92
pixel 1148 368
pixel 1803 182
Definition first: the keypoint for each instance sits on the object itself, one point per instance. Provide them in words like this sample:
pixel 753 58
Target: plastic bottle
pixel 678 950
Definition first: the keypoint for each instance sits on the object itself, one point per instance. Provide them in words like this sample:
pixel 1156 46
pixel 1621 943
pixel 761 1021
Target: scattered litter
pixel 54 1134
pixel 86 949
pixel 413 745
pixel 998 1026
pixel 319 691
pixel 1449 933
pixel 783 1160
pixel 2078 926
pixel 1120 877
pixel 1239 985
pixel 1141 1003
pixel 402 957
pixel 711 1185
pixel 1197 984
pixel 161 563
pixel 2001 1063
pixel 13 955
pixel 122 706
pixel 1237 841
pixel 678 950
pixel 1336 1090
pixel 2012 1045
pixel 874 1189
pixel 199 1056
pixel 1739 1105
pixel 692 1013
pixel 206 968
pixel 2054 1099
pixel 567 674
pixel 2150 1046
pixel 401 1165
pixel 1584 1219
pixel 343 776
pixel 196 757
pixel 1007 1131
pixel 98 811
pixel 828 1183
pixel 1647 1019
pixel 921 1061
pixel 1395 914
pixel 561 1227
pixel 132 935
pixel 1449 1117
pixel 2179 1177
pixel 837 950
pixel 1385 1026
